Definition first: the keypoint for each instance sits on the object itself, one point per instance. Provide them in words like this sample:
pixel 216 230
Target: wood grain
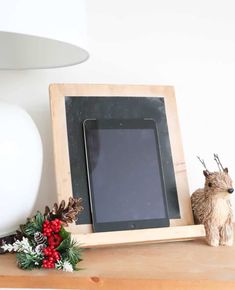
pixel 61 153
pixel 183 265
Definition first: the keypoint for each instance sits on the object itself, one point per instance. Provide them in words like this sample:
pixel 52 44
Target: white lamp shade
pixel 42 33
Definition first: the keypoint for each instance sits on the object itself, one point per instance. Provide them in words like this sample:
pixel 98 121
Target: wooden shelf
pixel 179 266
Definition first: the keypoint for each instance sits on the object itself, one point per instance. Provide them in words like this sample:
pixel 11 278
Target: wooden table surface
pixel 179 266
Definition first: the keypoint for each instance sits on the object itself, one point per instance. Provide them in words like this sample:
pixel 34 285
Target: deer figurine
pixel 212 207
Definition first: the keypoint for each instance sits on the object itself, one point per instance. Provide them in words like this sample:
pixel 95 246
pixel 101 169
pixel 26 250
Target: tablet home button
pixel 132 226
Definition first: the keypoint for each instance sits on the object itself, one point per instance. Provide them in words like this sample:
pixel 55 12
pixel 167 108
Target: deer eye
pixel 210 184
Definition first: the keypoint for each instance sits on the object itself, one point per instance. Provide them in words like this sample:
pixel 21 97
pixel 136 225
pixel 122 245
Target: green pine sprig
pixel 73 254
pixel 29 261
pixel 69 249
pixel 33 225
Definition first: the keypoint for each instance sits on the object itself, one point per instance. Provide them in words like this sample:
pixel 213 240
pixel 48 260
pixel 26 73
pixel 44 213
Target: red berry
pixel 54 240
pixel 56 256
pixel 56 225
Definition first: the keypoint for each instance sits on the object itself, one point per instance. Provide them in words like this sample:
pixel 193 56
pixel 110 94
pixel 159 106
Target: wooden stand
pixel 92 240
pixel 181 228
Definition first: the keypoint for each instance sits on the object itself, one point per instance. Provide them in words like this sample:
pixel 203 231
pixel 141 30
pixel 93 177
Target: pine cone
pixel 67 214
pixel 39 238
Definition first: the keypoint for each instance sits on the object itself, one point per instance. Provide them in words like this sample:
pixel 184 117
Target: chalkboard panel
pixel 81 108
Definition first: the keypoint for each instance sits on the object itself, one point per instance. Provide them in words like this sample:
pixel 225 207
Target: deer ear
pixel 206 173
pixel 226 170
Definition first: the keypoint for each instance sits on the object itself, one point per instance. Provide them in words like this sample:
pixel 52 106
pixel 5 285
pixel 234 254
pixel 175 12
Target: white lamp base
pixel 20 166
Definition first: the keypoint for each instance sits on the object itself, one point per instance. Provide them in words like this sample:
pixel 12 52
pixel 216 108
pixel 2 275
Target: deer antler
pixel 219 164
pixel 203 163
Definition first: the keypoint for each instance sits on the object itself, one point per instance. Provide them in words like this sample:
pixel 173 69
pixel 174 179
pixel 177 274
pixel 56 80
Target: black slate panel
pixel 81 108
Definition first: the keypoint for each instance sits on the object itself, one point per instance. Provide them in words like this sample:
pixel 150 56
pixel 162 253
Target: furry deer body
pixel 212 207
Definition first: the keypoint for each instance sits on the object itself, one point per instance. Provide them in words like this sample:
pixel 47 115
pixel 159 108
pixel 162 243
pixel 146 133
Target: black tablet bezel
pixel 123 124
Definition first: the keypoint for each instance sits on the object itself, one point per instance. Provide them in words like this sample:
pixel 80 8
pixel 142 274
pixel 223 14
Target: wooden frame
pixel 179 229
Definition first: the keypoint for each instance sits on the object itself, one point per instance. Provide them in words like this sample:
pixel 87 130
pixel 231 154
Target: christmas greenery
pixel 29 261
pixel 45 242
pixel 33 225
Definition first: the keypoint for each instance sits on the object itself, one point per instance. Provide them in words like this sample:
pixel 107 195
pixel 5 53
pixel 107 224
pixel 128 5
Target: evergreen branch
pixel 72 252
pixel 33 225
pixel 28 261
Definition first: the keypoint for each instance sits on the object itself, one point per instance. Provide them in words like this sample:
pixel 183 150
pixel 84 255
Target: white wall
pixel 188 44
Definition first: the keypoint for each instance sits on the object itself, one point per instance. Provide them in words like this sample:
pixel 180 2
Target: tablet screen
pixel 125 174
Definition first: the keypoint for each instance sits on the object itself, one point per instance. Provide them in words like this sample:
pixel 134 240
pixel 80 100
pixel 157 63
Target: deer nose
pixel 230 190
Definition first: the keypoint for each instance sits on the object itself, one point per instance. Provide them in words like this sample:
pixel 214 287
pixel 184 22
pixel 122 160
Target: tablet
pixel 125 178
